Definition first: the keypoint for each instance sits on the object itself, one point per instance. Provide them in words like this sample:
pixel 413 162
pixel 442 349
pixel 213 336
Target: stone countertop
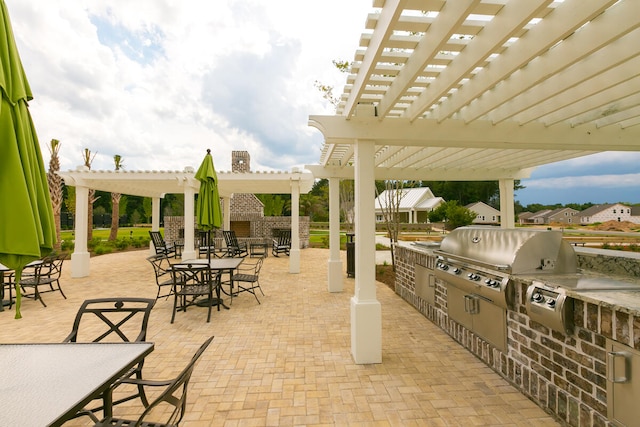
pixel 623 300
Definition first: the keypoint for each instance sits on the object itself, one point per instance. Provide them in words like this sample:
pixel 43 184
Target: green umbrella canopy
pixel 208 213
pixel 27 229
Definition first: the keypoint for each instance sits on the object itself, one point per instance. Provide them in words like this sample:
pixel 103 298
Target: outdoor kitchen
pixel 562 324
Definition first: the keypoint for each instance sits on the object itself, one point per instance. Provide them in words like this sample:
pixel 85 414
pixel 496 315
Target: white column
pixel 80 256
pixel 189 251
pixel 294 253
pixel 226 206
pixel 155 221
pixel 335 272
pixel 366 311
pixel 507 211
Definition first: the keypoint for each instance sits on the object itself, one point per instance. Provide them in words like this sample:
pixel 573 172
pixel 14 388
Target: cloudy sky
pixel 160 81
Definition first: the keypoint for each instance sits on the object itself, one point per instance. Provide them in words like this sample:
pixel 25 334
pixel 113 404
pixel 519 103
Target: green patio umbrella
pixel 208 213
pixel 27 229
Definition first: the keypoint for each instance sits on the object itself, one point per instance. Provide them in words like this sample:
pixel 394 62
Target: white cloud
pixel 159 81
pixel 592 181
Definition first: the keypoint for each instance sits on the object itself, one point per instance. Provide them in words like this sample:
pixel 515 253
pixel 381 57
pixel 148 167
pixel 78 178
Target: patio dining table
pixel 47 384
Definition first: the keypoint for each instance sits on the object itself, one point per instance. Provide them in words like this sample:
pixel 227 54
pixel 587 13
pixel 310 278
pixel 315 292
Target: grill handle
pixel 499 267
pixel 611 371
pixel 471 304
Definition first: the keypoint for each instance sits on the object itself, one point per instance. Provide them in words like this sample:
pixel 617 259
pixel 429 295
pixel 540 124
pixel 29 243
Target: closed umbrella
pixel 27 229
pixel 208 213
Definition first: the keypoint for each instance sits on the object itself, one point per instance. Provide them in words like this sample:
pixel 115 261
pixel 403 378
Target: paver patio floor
pixel 288 360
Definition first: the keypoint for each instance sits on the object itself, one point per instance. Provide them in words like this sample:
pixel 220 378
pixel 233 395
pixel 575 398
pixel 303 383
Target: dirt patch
pixel 386 275
pixel 625 226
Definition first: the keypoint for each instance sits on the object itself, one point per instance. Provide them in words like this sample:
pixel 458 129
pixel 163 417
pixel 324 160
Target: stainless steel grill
pixel 481 262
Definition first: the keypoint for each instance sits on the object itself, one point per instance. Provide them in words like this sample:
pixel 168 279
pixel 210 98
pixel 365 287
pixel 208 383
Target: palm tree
pixel 88 159
pixel 115 203
pixel 55 188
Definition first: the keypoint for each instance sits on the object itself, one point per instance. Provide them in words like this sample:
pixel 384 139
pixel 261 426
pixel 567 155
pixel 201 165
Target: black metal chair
pixel 161 246
pixel 194 284
pixel 113 320
pixel 162 270
pixel 247 278
pixel 234 247
pixel 282 244
pixel 45 273
pixel 173 398
pixel 205 243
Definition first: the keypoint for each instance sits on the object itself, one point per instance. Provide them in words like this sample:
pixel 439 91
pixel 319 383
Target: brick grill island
pixel 567 373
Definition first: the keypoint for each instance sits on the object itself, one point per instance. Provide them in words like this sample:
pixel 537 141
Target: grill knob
pixel 457 270
pixel 537 297
pixel 551 302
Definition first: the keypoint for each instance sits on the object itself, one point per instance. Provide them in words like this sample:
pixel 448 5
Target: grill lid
pixel 516 251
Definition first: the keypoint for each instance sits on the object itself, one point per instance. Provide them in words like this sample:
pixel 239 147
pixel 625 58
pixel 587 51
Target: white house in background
pixel 415 204
pixel 562 215
pixel 539 217
pixel 485 214
pixel 607 212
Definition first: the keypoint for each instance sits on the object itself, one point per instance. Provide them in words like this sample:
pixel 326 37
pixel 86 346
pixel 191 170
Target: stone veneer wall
pixel 564 375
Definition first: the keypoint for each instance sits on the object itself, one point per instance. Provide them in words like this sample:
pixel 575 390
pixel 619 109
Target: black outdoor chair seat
pixel 282 244
pixel 193 283
pixel 45 273
pixel 234 247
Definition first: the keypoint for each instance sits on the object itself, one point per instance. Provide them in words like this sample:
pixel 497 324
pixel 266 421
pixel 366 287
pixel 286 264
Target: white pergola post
pixel 188 251
pixel 335 275
pixel 366 311
pixel 507 212
pixel 80 256
pixel 294 252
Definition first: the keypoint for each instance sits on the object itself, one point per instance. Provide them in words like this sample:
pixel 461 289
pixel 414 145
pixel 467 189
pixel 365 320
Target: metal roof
pixel 487 89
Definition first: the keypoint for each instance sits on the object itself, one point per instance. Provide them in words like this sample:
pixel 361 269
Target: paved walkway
pixel 287 361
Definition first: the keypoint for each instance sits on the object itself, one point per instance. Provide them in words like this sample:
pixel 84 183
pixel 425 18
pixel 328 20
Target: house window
pixel 614 211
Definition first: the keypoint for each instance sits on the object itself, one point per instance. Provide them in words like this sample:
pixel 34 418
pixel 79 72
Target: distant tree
pixel 389 203
pixel 347 202
pixel 452 214
pixel 55 188
pixel 147 209
pixel 274 204
pixel 115 203
pixel 88 159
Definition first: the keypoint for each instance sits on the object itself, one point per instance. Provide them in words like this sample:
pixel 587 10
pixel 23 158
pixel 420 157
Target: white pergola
pixel 473 90
pixel 156 184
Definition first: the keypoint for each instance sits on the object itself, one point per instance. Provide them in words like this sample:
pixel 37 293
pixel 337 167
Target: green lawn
pixel 103 233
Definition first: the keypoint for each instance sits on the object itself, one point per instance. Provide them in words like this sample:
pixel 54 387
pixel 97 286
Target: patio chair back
pixel 160 245
pixel 172 401
pixel 282 244
pixel 162 270
pixel 234 247
pixel 112 320
pixel 43 274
